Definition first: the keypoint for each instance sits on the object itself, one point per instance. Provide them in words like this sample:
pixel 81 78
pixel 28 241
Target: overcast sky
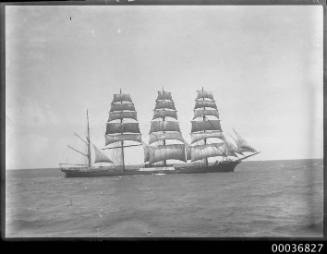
pixel 262 63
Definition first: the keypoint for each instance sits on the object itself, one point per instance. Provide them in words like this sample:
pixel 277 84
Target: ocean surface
pixel 259 199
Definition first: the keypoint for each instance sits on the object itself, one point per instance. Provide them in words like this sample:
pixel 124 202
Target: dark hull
pixel 226 166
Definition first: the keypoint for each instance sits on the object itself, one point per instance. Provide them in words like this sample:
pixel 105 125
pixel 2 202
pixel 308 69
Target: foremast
pixel 118 130
pixel 164 133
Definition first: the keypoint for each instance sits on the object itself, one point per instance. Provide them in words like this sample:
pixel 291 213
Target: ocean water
pixel 259 199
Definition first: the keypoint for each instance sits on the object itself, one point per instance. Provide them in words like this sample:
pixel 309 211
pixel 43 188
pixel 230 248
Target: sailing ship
pixel 210 150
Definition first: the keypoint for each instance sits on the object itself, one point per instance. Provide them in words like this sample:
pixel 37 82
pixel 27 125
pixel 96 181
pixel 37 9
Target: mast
pixel 164 140
pixel 122 107
pixel 88 139
pixel 162 130
pixel 206 128
pixel 122 142
pixel 204 119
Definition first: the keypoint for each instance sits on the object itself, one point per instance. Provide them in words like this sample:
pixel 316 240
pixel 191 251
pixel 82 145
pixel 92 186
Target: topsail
pixel 162 130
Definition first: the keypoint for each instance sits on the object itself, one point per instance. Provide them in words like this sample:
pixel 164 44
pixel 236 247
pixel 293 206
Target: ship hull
pixel 226 166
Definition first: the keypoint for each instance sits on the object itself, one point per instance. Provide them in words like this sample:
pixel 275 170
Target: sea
pixel 259 199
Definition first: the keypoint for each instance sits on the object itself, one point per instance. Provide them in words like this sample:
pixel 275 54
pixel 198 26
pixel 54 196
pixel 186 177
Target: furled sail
pixel 164 113
pixel 112 138
pixel 154 137
pixel 205 112
pixel 122 97
pixel 164 126
pixel 202 94
pixel 121 115
pixel 113 128
pixel 204 103
pixel 161 104
pixel 201 152
pixel 122 106
pixel 206 125
pixel 204 135
pixel 165 152
pixel 100 156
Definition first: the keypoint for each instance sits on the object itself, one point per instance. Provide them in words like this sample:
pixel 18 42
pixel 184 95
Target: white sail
pixel 154 137
pixel 122 106
pixel 202 94
pixel 122 97
pixel 165 105
pixel 165 152
pixel 230 149
pixel 206 125
pixel 164 113
pixel 203 103
pixel 201 152
pixel 112 138
pixel 205 112
pixel 100 156
pixel 121 115
pixel 164 126
pixel 204 135
pixel 243 145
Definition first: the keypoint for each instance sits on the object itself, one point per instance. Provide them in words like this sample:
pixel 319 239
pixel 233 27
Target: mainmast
pixel 122 108
pixel 163 130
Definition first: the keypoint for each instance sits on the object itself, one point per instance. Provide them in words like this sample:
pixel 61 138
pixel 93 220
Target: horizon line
pixel 7 169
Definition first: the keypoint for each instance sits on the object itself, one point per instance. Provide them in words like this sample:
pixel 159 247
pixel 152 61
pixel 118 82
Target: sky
pixel 263 64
